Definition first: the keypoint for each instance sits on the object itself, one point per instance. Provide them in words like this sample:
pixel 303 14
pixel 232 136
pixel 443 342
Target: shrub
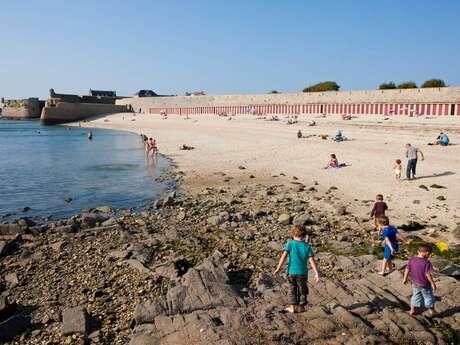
pixel 434 83
pixel 407 85
pixel 274 91
pixel 323 86
pixel 387 86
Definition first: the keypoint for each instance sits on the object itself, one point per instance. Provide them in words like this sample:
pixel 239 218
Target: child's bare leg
pixel 384 266
pixel 389 266
pixel 412 310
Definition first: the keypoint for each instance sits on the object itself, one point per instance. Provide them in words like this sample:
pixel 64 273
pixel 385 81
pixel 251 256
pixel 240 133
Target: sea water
pixel 42 167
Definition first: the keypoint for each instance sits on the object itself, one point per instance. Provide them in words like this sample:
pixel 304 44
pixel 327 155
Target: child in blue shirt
pixel 299 253
pixel 390 243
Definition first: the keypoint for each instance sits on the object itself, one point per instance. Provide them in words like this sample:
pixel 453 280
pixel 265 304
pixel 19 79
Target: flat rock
pixel 284 219
pixel 11 229
pixel 74 321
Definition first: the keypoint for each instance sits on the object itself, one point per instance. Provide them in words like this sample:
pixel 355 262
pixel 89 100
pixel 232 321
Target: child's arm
pixel 312 262
pixel 406 275
pixel 373 211
pixel 430 279
pixel 388 243
pixel 281 262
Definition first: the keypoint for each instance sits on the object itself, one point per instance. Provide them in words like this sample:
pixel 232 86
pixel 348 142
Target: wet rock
pixel 104 209
pixel 451 270
pixel 68 199
pixel 412 226
pixel 169 199
pixel 74 321
pixel 11 229
pixel 437 186
pixel 6 247
pixel 109 222
pixel 25 209
pixel 92 219
pixel 284 219
pixel 26 222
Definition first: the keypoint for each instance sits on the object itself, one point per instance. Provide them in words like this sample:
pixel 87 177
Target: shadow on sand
pixel 445 173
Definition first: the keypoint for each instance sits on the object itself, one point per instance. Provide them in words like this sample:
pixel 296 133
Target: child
pixel 333 163
pixel 299 253
pixel 420 270
pixel 397 168
pixel 390 239
pixel 379 209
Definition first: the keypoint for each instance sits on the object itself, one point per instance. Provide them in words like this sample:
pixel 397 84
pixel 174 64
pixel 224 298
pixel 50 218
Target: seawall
pixel 429 101
pixel 22 109
pixel 71 112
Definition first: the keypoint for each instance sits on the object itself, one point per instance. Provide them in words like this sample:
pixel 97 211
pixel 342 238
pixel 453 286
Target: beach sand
pixel 268 150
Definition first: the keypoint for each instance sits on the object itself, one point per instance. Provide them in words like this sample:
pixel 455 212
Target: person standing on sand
pixel 412 156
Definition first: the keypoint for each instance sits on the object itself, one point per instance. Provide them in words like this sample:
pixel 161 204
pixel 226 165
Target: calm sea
pixel 41 166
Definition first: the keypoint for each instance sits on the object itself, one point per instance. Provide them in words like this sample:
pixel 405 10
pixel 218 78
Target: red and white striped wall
pixel 387 109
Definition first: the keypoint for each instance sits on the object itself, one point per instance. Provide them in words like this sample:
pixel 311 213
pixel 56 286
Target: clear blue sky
pixel 250 46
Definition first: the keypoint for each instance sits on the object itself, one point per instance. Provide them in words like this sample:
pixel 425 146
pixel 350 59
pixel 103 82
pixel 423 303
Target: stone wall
pixel 70 112
pixel 408 96
pixel 23 109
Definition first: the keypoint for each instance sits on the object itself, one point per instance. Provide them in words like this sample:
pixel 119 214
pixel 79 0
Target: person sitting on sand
pixel 299 134
pixel 300 254
pixel 338 136
pixel 442 139
pixel 333 162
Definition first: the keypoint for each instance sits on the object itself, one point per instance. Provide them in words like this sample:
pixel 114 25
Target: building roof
pixel 146 93
pixel 102 93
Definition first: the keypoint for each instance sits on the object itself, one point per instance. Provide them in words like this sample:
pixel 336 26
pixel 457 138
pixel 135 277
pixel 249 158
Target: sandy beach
pixel 271 154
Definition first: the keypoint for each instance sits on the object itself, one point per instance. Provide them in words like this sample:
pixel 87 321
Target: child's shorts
pixel 387 253
pixel 422 294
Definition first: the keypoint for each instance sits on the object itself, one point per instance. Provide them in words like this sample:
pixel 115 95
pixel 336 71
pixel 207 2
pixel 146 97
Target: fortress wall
pixel 445 95
pixel 70 112
pixel 25 109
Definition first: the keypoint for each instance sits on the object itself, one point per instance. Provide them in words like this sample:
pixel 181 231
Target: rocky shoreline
pixel 196 269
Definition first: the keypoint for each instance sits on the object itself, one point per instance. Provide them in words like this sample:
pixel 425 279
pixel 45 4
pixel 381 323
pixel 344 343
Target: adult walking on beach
pixel 412 156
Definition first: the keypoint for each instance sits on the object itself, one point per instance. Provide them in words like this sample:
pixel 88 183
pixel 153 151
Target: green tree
pixel 274 91
pixel 323 86
pixel 407 85
pixel 387 86
pixel 434 83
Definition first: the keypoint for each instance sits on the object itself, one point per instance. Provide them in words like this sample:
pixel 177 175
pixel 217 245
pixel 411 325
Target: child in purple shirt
pixel 420 270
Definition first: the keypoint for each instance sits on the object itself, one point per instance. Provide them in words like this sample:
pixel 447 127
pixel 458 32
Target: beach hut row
pixel 414 109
